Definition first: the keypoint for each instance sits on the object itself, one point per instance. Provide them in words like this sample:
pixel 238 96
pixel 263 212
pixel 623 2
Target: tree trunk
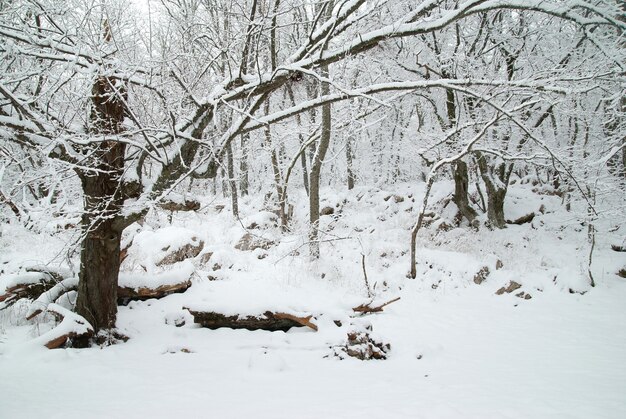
pixel 102 222
pixel 316 169
pixel 102 227
pixel 305 171
pixel 496 185
pixel 100 264
pixel 461 182
pixel 349 158
pixel 495 207
pixel 243 166
pixel 231 180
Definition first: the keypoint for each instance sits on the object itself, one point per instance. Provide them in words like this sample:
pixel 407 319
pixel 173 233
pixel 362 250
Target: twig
pixel 366 308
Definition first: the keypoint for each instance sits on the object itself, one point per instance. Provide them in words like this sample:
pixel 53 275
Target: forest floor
pixel 458 350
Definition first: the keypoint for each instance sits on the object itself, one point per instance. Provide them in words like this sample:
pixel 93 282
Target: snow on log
pixel 50 296
pixel 23 285
pixel 125 294
pixel 267 321
pixel 72 326
pixel 143 286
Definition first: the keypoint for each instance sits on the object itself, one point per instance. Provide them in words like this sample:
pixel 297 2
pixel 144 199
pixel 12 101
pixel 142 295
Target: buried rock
pixel 481 275
pixel 250 242
pixel 162 247
pixel 187 251
pixel 512 286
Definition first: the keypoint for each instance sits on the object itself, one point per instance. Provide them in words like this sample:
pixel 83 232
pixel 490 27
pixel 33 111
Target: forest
pixel 324 208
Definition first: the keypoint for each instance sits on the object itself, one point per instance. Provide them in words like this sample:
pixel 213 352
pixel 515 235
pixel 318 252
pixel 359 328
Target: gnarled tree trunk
pixel 102 222
pixel 496 178
pixel 461 183
pixel 100 250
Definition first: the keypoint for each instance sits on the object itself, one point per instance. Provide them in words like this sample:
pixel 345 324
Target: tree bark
pixel 496 181
pixel 102 222
pixel 231 180
pixel 461 182
pixel 350 170
pixel 316 170
pixel 243 166
pixel 102 227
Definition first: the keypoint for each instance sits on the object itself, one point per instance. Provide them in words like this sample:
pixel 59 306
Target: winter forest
pixel 313 208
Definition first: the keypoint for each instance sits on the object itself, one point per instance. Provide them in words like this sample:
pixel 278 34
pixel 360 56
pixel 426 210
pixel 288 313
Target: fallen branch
pixel 50 296
pixel 367 308
pixel 304 321
pixel 523 219
pixel 27 285
pixel 72 327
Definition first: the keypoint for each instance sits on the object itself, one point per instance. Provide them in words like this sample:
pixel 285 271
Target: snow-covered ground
pixel 458 350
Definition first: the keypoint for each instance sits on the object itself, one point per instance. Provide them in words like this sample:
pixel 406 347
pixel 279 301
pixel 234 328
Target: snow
pixel 176 274
pixel 11 280
pixel 150 247
pixel 457 349
pixel 71 324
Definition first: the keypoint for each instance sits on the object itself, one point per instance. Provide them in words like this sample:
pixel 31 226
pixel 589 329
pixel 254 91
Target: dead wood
pixel 523 219
pixel 51 295
pixel 72 326
pixel 127 294
pixel 31 291
pixel 304 321
pixel 267 321
pixel 368 308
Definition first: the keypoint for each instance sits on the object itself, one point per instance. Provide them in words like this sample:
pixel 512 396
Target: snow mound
pixel 177 274
pixel 151 248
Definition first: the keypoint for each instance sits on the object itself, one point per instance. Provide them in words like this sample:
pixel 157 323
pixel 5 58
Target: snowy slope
pixel 457 349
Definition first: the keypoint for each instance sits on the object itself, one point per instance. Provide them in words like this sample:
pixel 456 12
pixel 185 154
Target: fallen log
pixel 127 294
pixel 368 308
pixel 523 219
pixel 304 321
pixel 27 285
pixel 72 327
pixel 267 321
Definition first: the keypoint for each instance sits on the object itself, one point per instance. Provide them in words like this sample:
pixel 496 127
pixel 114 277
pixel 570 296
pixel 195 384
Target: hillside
pixel 457 349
